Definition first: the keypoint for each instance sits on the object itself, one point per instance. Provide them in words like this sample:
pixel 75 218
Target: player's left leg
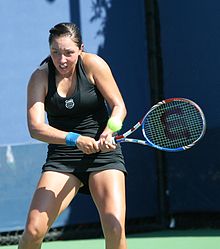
pixel 108 191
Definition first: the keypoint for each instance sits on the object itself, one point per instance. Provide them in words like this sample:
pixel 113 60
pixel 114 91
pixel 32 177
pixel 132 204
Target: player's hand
pixel 105 142
pixel 87 145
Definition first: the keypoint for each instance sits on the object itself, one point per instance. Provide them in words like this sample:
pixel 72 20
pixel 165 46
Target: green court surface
pixel 189 239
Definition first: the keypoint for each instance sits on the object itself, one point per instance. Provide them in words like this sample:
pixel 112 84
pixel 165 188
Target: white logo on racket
pixel 69 103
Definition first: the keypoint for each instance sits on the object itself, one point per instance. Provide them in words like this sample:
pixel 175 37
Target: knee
pixel 33 233
pixel 113 228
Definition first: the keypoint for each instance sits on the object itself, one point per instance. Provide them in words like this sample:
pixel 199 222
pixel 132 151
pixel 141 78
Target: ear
pixel 82 47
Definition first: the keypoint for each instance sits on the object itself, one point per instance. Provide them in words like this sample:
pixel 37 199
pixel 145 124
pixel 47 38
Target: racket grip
pixel 114 140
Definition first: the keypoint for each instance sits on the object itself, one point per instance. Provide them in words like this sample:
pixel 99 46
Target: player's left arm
pixel 100 74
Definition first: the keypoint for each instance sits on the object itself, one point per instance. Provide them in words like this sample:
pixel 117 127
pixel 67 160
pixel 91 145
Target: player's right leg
pixel 53 194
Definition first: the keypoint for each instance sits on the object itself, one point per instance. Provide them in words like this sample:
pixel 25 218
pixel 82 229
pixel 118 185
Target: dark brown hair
pixel 66 29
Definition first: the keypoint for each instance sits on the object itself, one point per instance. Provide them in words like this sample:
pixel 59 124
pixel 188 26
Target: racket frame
pixel 123 138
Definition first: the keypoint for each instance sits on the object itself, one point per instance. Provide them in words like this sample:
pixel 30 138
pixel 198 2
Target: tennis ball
pixel 114 124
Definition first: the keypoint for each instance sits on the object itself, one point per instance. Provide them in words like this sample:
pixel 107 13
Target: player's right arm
pixel 36 93
pixel 38 128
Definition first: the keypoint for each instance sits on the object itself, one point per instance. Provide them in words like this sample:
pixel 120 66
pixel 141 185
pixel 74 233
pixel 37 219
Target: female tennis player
pixel 73 87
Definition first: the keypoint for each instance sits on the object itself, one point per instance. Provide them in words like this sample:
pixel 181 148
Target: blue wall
pixel 190 38
pixel 25 26
pixel 19 170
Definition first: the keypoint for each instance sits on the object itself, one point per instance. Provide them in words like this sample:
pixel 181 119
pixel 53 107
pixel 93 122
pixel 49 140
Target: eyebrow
pixel 66 49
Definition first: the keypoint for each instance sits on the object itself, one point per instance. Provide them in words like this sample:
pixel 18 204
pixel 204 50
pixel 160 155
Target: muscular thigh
pixel 108 191
pixel 53 194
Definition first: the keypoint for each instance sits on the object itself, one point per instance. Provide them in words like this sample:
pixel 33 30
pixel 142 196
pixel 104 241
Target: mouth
pixel 63 66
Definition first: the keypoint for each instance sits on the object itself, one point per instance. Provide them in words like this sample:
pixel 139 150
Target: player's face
pixel 64 53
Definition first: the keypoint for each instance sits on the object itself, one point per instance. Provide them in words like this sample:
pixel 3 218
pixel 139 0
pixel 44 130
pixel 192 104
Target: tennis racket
pixel 172 125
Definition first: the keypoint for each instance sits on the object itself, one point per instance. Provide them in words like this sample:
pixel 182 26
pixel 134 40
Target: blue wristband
pixel 71 138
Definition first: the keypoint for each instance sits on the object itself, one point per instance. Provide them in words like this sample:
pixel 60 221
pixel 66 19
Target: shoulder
pixel 93 61
pixel 94 66
pixel 40 74
pixel 39 77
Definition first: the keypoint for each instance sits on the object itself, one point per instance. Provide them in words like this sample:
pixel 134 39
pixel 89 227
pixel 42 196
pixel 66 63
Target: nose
pixel 62 58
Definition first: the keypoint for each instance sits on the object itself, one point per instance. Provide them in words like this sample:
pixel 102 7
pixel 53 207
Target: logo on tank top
pixel 69 103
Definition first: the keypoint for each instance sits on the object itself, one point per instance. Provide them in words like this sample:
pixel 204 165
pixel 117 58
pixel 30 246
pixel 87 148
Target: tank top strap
pixel 81 73
pixel 51 77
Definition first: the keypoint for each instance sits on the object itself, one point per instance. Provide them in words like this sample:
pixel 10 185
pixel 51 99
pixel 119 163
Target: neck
pixel 68 75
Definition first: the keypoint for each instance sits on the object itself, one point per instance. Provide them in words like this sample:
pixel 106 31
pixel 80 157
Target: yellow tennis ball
pixel 114 124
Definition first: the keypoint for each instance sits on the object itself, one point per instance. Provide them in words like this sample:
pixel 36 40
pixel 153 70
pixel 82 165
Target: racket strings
pixel 174 124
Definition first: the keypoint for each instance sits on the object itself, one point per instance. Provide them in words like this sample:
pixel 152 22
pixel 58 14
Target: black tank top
pixel 84 112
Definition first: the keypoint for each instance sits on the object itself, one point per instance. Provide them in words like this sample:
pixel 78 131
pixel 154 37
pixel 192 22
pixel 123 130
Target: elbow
pixel 34 130
pixel 33 133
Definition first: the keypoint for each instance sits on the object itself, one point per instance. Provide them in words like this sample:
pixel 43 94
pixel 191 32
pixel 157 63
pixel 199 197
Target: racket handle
pixel 114 140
